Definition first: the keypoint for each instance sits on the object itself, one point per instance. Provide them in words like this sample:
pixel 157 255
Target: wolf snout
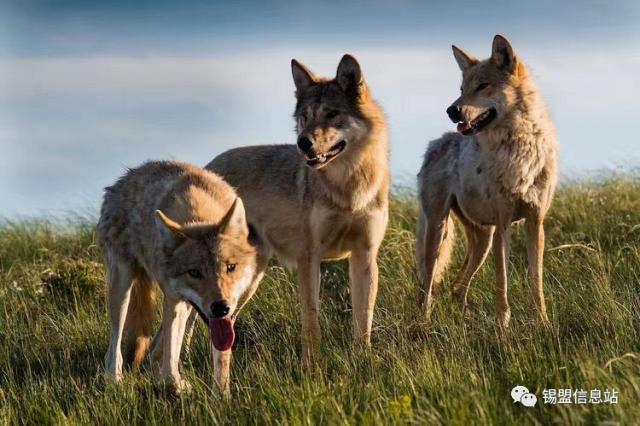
pixel 219 309
pixel 454 113
pixel 304 143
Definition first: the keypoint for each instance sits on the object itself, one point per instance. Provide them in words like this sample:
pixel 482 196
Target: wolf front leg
pixel 119 281
pixel 535 251
pixel 175 315
pixel 500 254
pixel 221 370
pixel 363 274
pixel 363 271
pixel 309 290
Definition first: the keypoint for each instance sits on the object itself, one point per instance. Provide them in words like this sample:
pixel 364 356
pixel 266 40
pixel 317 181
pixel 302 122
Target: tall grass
pixel 456 370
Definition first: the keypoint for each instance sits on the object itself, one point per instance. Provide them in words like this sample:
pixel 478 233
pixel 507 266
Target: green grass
pixel 53 334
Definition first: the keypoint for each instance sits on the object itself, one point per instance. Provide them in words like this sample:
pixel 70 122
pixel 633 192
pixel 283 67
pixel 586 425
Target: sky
pixel 89 88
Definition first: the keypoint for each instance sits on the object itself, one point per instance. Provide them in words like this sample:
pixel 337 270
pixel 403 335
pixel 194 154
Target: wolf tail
pixel 139 323
pixel 444 253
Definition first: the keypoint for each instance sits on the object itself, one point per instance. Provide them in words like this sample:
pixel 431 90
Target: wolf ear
pixel 464 60
pixel 349 74
pixel 502 54
pixel 172 232
pixel 302 77
pixel 234 222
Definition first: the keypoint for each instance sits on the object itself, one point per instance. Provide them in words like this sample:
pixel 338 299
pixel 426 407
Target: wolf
pixel 499 168
pixel 325 198
pixel 185 229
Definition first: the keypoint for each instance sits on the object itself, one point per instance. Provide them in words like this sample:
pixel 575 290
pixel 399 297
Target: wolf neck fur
pixel 518 147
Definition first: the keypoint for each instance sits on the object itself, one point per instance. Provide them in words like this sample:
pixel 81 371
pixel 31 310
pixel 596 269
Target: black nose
pixel 304 143
pixel 219 309
pixel 454 113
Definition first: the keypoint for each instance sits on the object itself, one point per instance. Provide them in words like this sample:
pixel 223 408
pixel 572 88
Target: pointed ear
pixel 235 221
pixel 302 77
pixel 171 231
pixel 502 54
pixel 464 60
pixel 349 74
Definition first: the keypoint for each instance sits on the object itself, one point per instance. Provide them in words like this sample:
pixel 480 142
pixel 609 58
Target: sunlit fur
pixel 503 173
pixel 159 222
pixel 309 214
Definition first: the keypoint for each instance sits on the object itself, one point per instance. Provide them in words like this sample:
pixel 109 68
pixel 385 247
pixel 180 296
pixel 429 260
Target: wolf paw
pixel 504 318
pixel 114 377
pixel 178 386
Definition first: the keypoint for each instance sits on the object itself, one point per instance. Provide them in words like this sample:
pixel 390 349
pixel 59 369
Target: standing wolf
pixel 498 169
pixel 183 228
pixel 325 199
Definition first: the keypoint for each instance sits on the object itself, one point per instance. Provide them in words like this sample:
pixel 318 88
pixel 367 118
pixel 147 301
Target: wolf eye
pixel 482 87
pixel 231 267
pixel 194 273
pixel 332 114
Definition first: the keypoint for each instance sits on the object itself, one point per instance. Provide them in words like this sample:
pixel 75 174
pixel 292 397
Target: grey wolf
pixel 185 229
pixel 499 168
pixel 325 198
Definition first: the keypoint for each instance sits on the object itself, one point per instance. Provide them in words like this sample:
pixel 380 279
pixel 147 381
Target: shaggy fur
pixel 500 171
pixel 325 199
pixel 178 226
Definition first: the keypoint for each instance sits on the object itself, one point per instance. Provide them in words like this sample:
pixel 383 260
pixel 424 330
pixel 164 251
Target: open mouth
pixel 478 123
pixel 221 332
pixel 322 159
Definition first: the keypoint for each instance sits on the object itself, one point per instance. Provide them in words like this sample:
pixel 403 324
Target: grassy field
pixel 53 334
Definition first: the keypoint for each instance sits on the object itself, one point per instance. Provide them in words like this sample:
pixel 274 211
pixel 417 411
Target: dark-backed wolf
pixel 183 228
pixel 325 198
pixel 499 168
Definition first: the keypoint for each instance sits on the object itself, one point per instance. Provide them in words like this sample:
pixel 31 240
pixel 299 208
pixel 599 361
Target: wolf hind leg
pixel 478 246
pixel 437 245
pixel 139 323
pixel 119 283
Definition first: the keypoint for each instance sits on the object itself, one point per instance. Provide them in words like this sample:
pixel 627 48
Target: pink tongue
pixel 464 126
pixel 221 333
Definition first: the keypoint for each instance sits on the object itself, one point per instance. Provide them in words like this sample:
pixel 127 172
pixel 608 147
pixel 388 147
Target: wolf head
pixel 489 88
pixel 329 117
pixel 211 264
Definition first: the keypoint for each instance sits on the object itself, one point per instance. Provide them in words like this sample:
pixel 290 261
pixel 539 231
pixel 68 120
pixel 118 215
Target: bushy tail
pixel 444 254
pixel 140 316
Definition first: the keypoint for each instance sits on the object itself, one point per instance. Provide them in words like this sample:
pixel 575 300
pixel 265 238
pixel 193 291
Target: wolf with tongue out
pixel 184 229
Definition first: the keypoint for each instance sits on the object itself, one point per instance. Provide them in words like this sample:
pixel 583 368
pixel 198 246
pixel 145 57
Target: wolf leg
pixel 221 370
pixel 535 251
pixel 363 271
pixel 500 250
pixel 119 279
pixel 309 290
pixel 175 315
pixel 156 351
pixel 432 241
pixel 478 245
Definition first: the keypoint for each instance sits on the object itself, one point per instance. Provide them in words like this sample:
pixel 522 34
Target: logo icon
pixel 522 395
